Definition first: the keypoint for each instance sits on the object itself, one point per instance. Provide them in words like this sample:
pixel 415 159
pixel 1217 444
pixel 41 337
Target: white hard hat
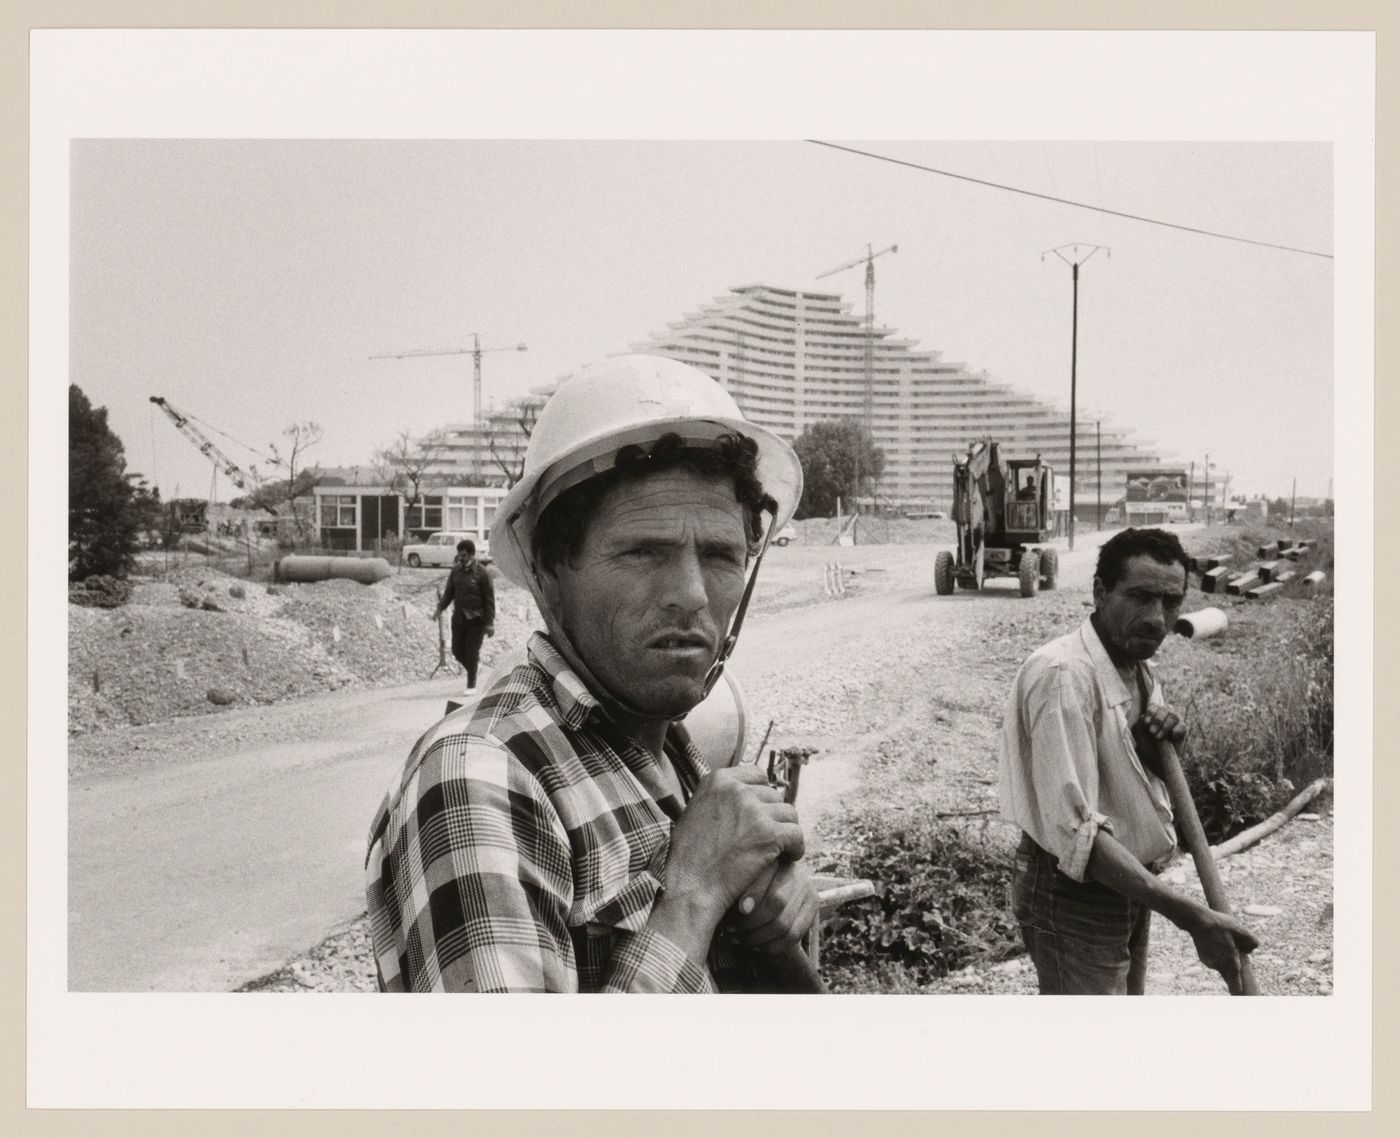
pixel 627 400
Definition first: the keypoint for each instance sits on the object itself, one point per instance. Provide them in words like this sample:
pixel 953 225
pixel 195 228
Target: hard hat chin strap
pixel 737 621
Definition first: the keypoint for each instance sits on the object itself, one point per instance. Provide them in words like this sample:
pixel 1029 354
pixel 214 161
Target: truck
pixel 1004 512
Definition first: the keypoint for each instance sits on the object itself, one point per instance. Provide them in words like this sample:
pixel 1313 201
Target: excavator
pixel 1003 510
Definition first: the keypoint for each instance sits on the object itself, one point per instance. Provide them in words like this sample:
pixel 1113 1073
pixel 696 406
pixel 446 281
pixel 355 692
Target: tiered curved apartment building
pixel 793 358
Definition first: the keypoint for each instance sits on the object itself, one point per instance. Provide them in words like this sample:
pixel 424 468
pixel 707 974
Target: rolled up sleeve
pixel 1058 706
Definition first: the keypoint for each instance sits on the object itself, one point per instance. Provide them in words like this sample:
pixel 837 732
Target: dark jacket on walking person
pixel 473 599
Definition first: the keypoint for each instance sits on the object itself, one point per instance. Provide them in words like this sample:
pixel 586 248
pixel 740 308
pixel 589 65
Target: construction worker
pixel 473 599
pixel 1027 492
pixel 565 835
pixel 1078 776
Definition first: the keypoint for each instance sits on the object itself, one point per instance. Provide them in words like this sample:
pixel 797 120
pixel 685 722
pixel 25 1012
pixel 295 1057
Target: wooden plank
pixel 1266 570
pixel 1264 551
pixel 1239 584
pixel 1261 591
pixel 1213 580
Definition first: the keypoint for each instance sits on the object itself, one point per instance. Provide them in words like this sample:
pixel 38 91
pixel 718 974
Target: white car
pixel 441 549
pixel 786 534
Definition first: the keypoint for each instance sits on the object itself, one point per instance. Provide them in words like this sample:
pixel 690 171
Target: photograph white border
pixel 88 1050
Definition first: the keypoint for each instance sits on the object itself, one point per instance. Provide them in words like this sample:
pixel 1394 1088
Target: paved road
pixel 234 842
pixel 201 871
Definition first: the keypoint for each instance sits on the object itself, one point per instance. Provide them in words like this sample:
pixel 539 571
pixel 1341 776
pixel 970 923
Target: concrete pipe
pixel 1314 578
pixel 300 567
pixel 1199 625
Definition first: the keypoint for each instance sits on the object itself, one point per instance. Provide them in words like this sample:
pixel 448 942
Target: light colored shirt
pixel 1068 764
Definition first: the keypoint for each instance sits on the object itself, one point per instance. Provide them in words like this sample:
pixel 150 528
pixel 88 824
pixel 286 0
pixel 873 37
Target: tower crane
pixel 868 405
pixel 476 351
pixel 235 473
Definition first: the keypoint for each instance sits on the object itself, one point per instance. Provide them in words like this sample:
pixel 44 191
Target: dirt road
pixel 210 854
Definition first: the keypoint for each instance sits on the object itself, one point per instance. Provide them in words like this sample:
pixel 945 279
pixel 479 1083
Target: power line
pixel 1067 201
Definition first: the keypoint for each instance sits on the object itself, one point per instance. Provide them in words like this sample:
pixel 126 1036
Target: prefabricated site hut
pixel 357 518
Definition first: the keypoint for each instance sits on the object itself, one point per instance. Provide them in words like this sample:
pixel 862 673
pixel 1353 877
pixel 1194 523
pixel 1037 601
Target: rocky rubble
pixel 198 640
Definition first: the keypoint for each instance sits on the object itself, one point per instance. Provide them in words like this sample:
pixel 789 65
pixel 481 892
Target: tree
pixel 103 517
pixel 407 465
pixel 508 435
pixel 148 513
pixel 828 452
pixel 300 437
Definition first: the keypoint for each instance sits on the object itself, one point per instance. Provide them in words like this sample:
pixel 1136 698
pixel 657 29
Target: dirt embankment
pixel 197 641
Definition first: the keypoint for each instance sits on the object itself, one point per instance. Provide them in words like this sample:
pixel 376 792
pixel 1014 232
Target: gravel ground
pixel 900 692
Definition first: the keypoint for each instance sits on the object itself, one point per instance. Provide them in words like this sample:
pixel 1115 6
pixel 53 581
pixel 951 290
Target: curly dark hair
pixel 1159 544
pixel 560 530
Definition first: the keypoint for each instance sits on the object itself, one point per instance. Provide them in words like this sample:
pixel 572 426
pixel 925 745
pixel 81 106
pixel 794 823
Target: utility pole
pixel 476 351
pixel 1191 491
pixel 1098 474
pixel 1205 489
pixel 1293 501
pixel 1074 264
pixel 868 402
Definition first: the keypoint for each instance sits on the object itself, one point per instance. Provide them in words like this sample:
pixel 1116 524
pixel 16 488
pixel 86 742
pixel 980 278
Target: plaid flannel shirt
pixel 523 845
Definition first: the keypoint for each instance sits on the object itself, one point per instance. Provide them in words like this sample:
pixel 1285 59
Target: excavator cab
pixel 1003 511
pixel 1029 506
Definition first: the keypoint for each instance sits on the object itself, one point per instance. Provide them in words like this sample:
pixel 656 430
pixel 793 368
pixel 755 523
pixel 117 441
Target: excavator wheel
pixel 943 573
pixel 1049 568
pixel 1029 572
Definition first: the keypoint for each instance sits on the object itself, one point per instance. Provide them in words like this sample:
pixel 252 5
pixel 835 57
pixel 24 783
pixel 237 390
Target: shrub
pixel 100 591
pixel 941 902
pixel 1252 744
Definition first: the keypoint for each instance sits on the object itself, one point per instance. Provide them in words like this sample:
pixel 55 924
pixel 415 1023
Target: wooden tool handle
pixel 1190 825
pixel 793 971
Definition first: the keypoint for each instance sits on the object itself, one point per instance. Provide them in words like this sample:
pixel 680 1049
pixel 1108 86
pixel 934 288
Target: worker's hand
pixel 1156 725
pixel 490 630
pixel 733 828
pixel 1221 942
pixel 777 909
pixel 1161 722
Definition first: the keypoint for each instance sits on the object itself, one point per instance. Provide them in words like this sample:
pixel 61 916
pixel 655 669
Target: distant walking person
pixel 473 599
pixel 1078 775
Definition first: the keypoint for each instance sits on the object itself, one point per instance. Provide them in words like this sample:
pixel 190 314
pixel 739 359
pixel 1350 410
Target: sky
pixel 250 281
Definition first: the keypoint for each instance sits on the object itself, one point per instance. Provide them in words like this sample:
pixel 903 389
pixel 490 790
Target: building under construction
pixel 793 358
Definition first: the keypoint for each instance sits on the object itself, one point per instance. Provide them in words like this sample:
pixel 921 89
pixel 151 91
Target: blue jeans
pixel 1083 938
